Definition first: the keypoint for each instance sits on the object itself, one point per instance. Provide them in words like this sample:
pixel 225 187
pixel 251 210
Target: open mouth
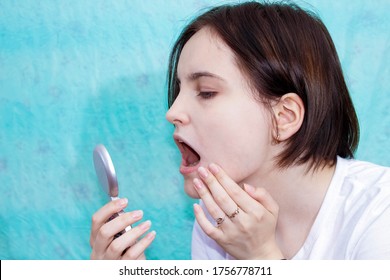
pixel 190 158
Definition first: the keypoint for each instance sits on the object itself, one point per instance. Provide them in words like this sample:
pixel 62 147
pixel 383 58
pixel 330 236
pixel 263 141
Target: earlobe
pixel 289 115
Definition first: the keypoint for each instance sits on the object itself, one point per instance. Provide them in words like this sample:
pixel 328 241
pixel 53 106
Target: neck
pixel 299 195
pixel 294 186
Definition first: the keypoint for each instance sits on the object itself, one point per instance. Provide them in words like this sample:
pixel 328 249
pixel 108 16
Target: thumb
pixel 263 196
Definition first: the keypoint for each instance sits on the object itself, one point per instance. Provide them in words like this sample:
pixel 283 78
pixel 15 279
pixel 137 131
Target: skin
pixel 102 241
pixel 216 114
pixel 213 93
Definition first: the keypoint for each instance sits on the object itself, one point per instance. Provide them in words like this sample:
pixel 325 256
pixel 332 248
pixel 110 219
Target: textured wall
pixel 77 73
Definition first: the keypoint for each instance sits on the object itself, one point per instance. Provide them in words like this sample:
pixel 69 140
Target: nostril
pixel 176 123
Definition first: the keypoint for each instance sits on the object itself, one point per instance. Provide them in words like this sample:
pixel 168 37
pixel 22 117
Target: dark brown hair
pixel 282 48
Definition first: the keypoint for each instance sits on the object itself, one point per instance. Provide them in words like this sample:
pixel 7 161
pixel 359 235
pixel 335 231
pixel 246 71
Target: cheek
pixel 243 146
pixel 244 157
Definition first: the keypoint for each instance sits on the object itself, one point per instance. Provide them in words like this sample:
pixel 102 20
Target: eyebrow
pixel 197 75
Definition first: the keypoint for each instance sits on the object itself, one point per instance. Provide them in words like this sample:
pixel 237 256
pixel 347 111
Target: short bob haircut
pixel 282 48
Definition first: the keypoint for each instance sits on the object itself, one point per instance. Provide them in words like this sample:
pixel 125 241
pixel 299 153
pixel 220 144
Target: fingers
pixel 228 195
pixel 103 214
pixel 106 246
pixel 262 196
pixel 205 224
pixel 223 190
pixel 136 252
pixel 213 208
pixel 249 215
pixel 130 245
pixel 224 196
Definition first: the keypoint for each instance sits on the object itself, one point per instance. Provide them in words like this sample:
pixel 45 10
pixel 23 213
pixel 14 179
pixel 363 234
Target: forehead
pixel 206 52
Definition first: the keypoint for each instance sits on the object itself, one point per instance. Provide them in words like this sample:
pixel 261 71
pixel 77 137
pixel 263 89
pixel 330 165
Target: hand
pixel 127 246
pixel 245 218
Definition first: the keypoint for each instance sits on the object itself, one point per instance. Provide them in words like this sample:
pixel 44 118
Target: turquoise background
pixel 77 73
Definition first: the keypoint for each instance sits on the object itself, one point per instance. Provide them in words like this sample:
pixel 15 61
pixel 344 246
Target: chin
pixel 190 190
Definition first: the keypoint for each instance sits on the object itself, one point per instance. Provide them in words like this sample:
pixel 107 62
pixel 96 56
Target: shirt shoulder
pixel 366 172
pixel 356 206
pixel 364 181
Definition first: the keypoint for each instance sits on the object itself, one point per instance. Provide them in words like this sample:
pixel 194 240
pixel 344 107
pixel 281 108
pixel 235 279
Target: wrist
pixel 273 253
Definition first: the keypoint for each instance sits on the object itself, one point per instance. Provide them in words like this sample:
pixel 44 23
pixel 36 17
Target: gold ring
pixel 231 216
pixel 219 221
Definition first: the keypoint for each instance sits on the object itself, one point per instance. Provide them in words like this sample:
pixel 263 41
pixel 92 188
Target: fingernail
pixel 198 183
pixel 123 201
pixel 137 214
pixel 214 168
pixel 202 172
pixel 249 188
pixel 145 225
pixel 151 234
pixel 196 208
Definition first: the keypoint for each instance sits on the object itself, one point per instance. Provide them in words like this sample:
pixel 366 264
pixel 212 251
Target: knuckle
pixel 235 192
pixel 211 232
pixel 131 255
pixel 259 216
pixel 104 232
pixel 215 213
pixel 115 247
pixel 123 218
pixel 217 236
pixel 222 199
pixel 244 227
pixel 134 253
pixel 95 219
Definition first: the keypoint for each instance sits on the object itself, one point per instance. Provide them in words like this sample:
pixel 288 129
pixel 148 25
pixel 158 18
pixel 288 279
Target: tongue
pixel 190 156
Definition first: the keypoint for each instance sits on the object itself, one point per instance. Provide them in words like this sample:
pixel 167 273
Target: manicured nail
pixel 198 183
pixel 203 172
pixel 196 208
pixel 123 202
pixel 146 225
pixel 137 214
pixel 214 168
pixel 249 188
pixel 151 235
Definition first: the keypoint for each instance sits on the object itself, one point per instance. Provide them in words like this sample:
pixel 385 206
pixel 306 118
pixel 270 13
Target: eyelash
pixel 207 94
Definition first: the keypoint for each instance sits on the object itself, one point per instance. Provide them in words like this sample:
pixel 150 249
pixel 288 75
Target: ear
pixel 289 113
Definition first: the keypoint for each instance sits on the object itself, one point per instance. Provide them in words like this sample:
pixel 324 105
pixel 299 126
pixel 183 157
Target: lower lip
pixel 185 170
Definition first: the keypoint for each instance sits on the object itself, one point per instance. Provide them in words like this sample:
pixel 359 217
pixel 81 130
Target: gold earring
pixel 277 139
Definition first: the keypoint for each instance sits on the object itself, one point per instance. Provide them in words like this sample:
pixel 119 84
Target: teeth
pixel 194 163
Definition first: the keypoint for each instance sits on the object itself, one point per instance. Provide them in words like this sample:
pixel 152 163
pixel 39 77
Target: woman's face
pixel 215 115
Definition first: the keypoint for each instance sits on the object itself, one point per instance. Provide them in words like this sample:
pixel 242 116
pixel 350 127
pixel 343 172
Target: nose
pixel 177 114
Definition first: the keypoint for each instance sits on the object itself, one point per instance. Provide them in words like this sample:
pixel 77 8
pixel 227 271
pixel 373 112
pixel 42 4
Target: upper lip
pixel 179 140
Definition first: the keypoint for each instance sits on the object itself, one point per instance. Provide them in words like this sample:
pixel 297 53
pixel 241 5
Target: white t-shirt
pixel 353 221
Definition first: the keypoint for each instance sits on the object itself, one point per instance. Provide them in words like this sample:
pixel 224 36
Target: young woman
pixel 267 132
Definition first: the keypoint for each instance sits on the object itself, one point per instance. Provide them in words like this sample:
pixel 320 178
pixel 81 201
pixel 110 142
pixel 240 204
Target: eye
pixel 207 94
